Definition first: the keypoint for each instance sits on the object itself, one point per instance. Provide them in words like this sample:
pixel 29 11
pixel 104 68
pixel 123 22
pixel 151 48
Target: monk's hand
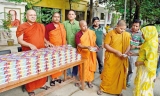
pixel 89 47
pixel 32 47
pixel 118 53
pixel 48 44
pixel 97 48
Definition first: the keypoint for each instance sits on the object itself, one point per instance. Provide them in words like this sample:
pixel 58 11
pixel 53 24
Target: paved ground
pixel 71 90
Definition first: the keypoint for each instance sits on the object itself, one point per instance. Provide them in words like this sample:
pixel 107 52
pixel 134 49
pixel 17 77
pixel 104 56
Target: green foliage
pixel 114 20
pixel 46 14
pixel 75 1
pixel 38 12
pixel 158 28
pixel 17 1
pixel 6 22
pixel 149 9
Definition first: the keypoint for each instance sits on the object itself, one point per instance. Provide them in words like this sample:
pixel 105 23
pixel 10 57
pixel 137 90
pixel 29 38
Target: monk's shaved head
pixel 121 23
pixel 83 25
pixel 121 26
pixel 31 16
pixel 30 11
pixel 82 22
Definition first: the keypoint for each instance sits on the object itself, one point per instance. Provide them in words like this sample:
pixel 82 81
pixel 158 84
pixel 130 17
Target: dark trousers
pixel 132 60
pixel 74 71
pixel 100 59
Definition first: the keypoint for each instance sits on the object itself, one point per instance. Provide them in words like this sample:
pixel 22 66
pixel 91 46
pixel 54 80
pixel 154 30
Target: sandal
pixel 59 80
pixel 31 93
pixel 45 87
pixel 77 84
pixel 90 85
pixel 99 92
pixel 52 83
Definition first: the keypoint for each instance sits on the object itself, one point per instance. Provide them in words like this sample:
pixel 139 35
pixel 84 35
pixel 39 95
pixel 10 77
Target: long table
pixel 31 78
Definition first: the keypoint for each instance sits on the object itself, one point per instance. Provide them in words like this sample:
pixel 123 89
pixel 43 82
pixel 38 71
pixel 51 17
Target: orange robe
pixel 57 37
pixel 15 23
pixel 115 68
pixel 88 39
pixel 30 34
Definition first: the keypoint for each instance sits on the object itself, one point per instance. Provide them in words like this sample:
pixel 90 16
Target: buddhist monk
pixel 14 21
pixel 27 34
pixel 86 41
pixel 56 34
pixel 117 45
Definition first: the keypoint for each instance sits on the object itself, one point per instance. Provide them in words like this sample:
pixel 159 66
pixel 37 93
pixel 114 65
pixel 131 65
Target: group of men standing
pixel 32 35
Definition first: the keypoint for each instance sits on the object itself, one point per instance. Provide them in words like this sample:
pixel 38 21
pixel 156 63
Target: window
pixel 102 16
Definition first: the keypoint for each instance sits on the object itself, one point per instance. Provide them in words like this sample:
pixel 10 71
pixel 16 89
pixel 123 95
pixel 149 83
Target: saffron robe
pixel 30 35
pixel 56 36
pixel 87 39
pixel 115 68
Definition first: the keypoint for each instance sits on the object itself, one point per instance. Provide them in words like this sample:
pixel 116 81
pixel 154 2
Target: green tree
pixel 146 10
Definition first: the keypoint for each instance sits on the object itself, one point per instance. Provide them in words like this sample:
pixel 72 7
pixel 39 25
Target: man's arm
pixel 109 48
pixel 128 49
pixel 138 63
pixel 24 43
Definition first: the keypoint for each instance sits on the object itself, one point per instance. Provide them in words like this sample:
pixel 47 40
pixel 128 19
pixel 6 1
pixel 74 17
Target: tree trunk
pixel 91 12
pixel 130 13
pixel 137 10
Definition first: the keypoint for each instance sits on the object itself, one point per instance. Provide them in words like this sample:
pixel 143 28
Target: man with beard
pixel 56 35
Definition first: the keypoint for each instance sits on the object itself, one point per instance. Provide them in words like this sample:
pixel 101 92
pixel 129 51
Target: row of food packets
pixel 23 64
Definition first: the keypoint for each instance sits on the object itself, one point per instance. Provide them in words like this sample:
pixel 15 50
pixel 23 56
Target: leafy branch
pixel 6 22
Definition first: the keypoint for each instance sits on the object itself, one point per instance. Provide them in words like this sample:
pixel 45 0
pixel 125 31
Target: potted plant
pixel 6 32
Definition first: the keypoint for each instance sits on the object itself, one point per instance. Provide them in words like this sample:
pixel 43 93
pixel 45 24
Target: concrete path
pixel 71 90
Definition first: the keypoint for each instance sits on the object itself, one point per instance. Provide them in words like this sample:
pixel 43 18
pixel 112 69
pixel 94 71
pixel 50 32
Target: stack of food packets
pixel 23 64
pixel 3 70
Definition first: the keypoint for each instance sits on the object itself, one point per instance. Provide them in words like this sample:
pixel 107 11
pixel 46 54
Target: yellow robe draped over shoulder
pixel 115 68
pixel 88 39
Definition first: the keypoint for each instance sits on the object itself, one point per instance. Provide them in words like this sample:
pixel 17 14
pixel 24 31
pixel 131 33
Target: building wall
pixel 64 5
